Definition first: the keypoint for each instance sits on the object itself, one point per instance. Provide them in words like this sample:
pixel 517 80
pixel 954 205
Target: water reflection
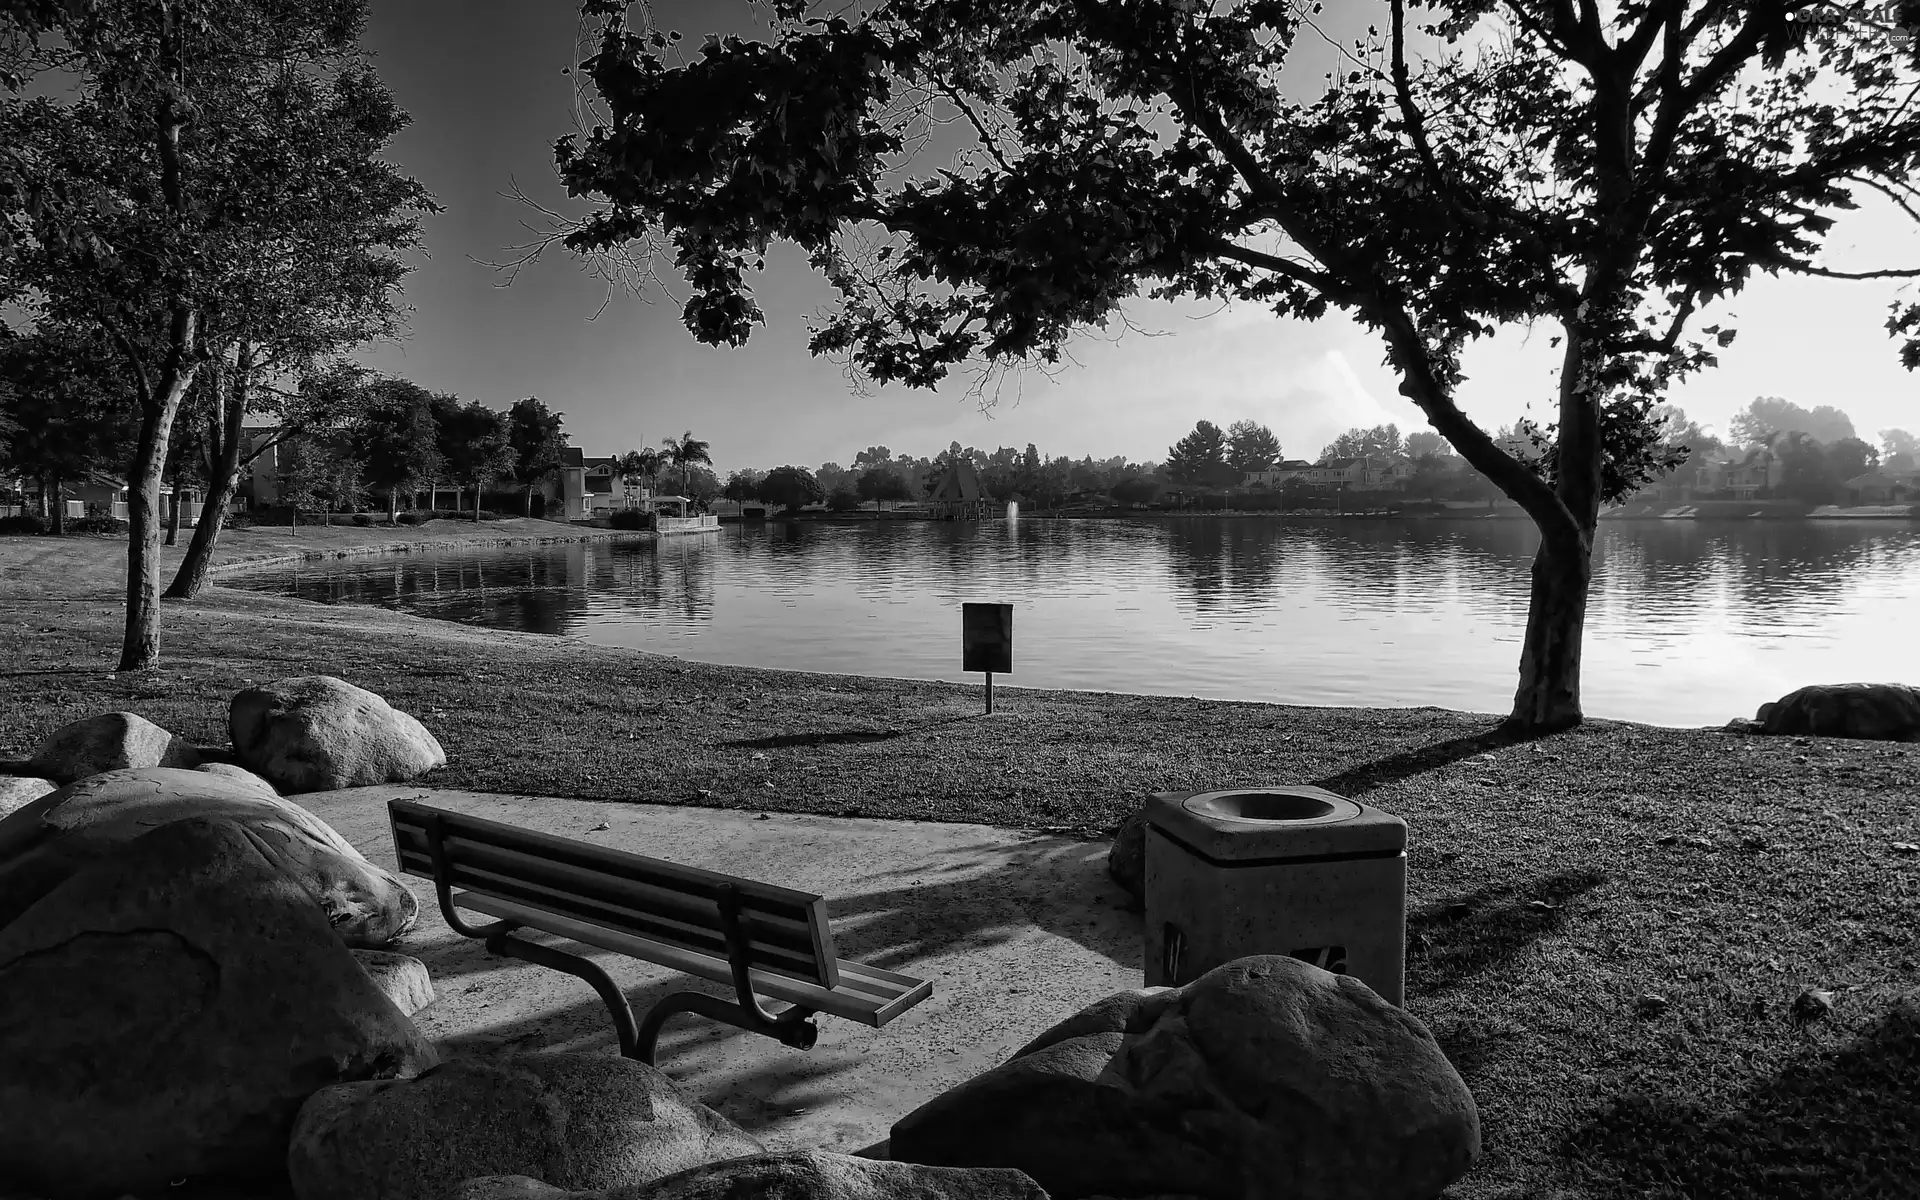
pixel 1333 612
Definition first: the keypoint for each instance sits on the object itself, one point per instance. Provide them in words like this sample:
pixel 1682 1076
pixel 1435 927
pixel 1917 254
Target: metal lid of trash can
pixel 1275 823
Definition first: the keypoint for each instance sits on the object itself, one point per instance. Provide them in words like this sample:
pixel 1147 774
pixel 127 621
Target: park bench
pixel 764 940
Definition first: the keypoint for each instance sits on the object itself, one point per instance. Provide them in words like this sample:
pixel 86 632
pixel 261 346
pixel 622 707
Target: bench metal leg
pixel 793 1027
pixel 503 943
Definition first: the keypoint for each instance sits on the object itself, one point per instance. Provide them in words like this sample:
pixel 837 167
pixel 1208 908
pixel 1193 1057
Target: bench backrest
pixel 786 930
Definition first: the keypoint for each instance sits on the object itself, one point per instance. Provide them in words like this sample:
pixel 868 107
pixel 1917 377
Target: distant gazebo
pixel 957 495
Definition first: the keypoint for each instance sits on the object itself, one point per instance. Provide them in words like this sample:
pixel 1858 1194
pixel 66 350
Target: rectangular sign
pixel 986 637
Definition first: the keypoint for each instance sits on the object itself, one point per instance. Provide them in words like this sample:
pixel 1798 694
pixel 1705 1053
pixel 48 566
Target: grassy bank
pixel 1554 884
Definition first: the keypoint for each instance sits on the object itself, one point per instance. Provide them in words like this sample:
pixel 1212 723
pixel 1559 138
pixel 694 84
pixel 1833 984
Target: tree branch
pixel 1280 266
pixel 1890 273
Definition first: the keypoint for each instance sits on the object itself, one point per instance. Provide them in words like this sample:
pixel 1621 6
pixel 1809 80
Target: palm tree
pixel 641 464
pixel 685 451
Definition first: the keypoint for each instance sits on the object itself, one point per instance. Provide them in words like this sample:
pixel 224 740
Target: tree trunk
pixel 140 647
pixel 57 512
pixel 393 507
pixel 173 513
pixel 529 504
pixel 476 504
pixel 1548 699
pixel 223 480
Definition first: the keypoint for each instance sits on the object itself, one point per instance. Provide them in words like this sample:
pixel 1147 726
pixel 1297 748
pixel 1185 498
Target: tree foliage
pixel 1251 447
pixel 1382 441
pixel 1768 416
pixel 792 488
pixel 1199 456
pixel 1610 170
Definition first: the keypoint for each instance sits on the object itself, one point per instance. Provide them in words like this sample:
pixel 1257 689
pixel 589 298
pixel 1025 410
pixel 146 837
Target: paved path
pixel 1015 930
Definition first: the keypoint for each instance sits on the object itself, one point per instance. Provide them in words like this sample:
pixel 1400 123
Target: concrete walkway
pixel 1015 930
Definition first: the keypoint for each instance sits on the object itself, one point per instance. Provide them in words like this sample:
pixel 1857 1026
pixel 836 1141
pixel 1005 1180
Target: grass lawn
pixel 1554 884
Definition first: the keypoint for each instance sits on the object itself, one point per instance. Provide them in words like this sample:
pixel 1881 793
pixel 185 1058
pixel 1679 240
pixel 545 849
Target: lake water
pixel 1691 622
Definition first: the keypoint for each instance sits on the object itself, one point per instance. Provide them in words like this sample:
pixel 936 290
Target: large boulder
pixel 1127 859
pixel 401 978
pixel 51 837
pixel 315 733
pixel 1264 1079
pixel 1888 712
pixel 109 742
pixel 229 771
pixel 165 1012
pixel 791 1175
pixel 16 791
pixel 578 1121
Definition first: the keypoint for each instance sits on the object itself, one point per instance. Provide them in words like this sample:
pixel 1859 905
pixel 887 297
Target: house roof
pixel 1340 462
pixel 600 485
pixel 1295 464
pixel 602 464
pixel 572 456
pixel 959 482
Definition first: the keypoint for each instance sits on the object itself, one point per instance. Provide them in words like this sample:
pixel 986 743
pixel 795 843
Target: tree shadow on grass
pixel 1451 941
pixel 1408 763
pixel 1837 1124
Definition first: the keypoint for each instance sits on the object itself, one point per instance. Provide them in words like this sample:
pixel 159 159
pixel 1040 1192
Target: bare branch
pixel 1890 273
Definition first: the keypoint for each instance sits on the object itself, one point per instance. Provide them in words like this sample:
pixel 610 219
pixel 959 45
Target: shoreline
pixel 295 557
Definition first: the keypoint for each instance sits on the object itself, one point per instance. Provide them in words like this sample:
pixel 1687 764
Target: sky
pixel 483 82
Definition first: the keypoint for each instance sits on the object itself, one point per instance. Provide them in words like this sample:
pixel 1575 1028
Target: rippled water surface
pixel 1691 622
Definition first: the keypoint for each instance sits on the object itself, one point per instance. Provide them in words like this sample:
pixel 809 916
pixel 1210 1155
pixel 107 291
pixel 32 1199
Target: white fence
pixel 687 524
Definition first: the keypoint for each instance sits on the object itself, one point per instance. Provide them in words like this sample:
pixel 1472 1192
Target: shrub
pixel 95 525
pixel 24 523
pixel 630 518
pixel 362 520
pixel 407 518
pixel 238 521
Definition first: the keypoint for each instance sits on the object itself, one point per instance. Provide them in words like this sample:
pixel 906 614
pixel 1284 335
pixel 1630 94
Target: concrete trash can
pixel 1275 870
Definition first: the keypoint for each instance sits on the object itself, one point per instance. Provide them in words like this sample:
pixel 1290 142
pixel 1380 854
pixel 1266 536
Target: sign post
pixel 986 641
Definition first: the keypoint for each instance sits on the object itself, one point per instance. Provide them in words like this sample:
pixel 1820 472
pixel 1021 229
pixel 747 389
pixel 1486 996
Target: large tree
pixel 396 440
pixel 128 205
pixel 1608 169
pixel 538 437
pixel 474 442
pixel 314 269
pixel 685 452
pixel 791 488
pixel 1198 457
pixel 1251 447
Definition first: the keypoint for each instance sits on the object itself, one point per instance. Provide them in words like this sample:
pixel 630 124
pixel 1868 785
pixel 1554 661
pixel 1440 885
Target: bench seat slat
pixel 623 862
pixel 788 921
pixel 648 912
pixel 866 994
pixel 664 930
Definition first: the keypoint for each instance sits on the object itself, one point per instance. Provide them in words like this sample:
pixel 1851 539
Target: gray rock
pixel 109 742
pixel 165 1012
pixel 792 1175
pixel 315 733
pixel 819 1175
pixel 401 978
pixel 1264 1079
pixel 1888 712
pixel 577 1121
pixel 1127 860
pixel 17 790
pixel 51 837
pixel 511 1187
pixel 229 771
